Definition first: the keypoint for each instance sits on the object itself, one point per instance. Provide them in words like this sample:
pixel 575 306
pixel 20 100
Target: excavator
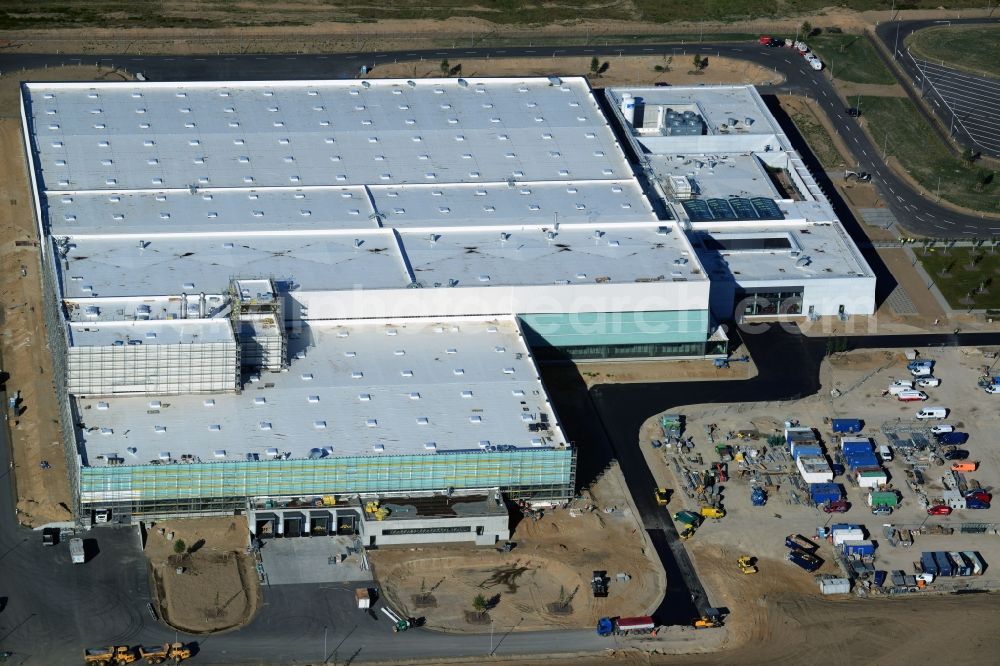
pixel 109 656
pixel 176 652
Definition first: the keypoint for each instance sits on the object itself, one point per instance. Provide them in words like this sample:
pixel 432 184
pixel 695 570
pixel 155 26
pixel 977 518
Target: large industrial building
pixel 294 298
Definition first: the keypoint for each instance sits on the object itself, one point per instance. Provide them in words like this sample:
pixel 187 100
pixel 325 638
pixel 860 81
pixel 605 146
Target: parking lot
pixel 973 100
pixel 853 387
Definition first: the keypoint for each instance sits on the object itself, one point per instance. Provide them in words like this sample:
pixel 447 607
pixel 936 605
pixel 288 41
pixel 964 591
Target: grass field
pixel 975 49
pixel 22 14
pixel 819 140
pixel 851 58
pixel 921 152
pixel 960 273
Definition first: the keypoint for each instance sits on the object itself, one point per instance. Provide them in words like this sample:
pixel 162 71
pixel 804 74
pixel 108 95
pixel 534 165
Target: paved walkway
pixel 312 560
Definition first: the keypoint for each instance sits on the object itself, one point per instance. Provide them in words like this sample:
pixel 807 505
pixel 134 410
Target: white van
pixel 933 413
pixel 899 386
pixel 921 371
pixel 885 453
pixel 911 395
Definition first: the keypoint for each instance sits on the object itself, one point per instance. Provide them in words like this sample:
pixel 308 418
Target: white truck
pixel 76 551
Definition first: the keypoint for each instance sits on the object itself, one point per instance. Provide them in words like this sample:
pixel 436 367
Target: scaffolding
pixel 222 487
pixel 258 319
pixel 147 369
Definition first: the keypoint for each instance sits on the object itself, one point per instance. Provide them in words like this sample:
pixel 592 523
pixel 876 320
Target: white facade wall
pixel 825 295
pixel 497 300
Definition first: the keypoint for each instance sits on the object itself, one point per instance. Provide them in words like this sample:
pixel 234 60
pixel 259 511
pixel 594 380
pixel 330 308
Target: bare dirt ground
pixel 544 583
pixel 621 70
pixel 43 494
pixel 218 589
pixel 325 36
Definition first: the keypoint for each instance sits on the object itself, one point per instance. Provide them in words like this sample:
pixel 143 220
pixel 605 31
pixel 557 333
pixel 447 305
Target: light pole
pixel 885 145
pixel 491 635
pixel 325 627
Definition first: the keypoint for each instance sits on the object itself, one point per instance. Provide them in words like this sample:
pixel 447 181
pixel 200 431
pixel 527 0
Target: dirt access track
pixel 252 26
pixel 544 583
pixel 218 588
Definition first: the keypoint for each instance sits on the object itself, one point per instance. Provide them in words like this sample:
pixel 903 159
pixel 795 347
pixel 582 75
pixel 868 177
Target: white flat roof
pixel 379 259
pixel 810 252
pixel 406 386
pixel 152 136
pixel 162 332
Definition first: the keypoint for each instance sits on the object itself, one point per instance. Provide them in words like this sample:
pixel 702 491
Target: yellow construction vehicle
pixel 176 652
pixel 712 512
pixel 662 496
pixel 110 656
pixel 746 564
pixel 687 533
pixel 706 622
pixel 380 512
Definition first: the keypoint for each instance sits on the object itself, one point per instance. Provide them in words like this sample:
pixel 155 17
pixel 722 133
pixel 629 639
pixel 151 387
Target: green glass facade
pixel 224 486
pixel 617 335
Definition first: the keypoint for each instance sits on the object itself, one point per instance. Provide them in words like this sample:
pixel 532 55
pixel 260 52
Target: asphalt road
pixel 893 35
pixel 918 214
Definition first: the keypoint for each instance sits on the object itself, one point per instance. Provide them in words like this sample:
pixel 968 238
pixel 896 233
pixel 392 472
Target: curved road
pixel 917 213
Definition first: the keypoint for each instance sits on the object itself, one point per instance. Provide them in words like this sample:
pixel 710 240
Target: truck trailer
pixel 76 551
pixel 642 624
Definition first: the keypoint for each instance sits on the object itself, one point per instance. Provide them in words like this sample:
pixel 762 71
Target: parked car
pixel 911 396
pixel 881 510
pixel 853 111
pixel 956 454
pixel 942 428
pixel 980 495
pixel 775 43
pixel 928 382
pixel 939 510
pixel 994 388
pixel 840 506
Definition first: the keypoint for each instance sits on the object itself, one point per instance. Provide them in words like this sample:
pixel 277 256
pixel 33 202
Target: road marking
pixel 350 57
pixel 864 152
pixel 856 140
pixel 525 52
pixel 382 55
pixel 647 49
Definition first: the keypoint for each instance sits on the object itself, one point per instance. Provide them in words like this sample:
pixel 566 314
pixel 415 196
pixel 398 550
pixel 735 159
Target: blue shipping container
pixel 857 447
pixel 847 425
pixel 866 461
pixel 862 548
pixel 943 564
pixel 806 450
pixel 928 564
pixel 824 492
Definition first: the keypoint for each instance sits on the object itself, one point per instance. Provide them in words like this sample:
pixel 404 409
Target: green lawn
pixel 819 140
pixel 972 48
pixel 851 58
pixel 35 14
pixel 918 148
pixel 956 274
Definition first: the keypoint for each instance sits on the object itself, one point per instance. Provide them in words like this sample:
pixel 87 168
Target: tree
pixel 180 546
pixel 697 61
pixel 445 66
pixel 595 65
pixel 479 604
pixel 807 28
pixel 658 68
pixel 969 156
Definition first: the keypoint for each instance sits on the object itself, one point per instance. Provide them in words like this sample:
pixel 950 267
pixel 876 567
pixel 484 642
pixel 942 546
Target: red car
pixel 939 510
pixel 981 495
pixel 840 506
